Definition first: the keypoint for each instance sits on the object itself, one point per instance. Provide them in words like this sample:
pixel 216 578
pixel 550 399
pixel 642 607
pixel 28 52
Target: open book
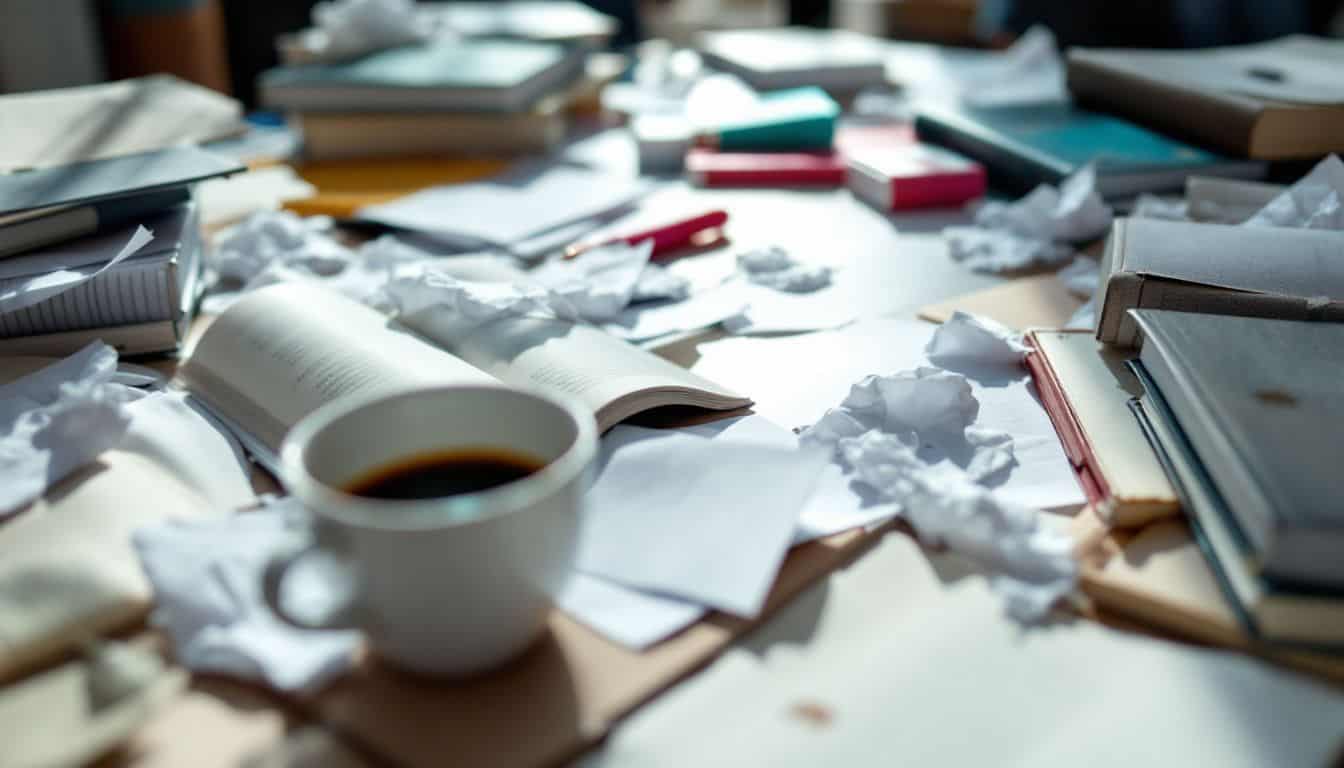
pixel 282 352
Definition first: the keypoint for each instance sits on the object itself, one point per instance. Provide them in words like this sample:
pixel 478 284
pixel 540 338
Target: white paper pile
pixel 1314 202
pixel 207 587
pixel 269 239
pixel 914 439
pixel 1038 230
pixel 56 420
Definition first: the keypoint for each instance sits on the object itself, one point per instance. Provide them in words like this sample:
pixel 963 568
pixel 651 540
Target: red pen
pixel 665 238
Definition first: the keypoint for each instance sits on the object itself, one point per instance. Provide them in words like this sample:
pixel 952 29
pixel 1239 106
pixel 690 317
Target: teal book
pixel 449 75
pixel 1026 145
pixel 797 119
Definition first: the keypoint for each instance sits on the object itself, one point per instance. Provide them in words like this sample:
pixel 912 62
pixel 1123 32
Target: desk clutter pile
pixel 1135 424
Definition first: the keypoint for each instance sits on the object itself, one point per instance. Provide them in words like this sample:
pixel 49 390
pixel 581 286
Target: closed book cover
pixel 1300 618
pixel 1277 100
pixel 1026 145
pixel 97 180
pixel 341 136
pixel 467 75
pixel 1259 401
pixel 713 168
pixel 795 119
pixel 837 60
pixel 33 229
pixel 1086 390
pixel 157 286
pixel 1218 269
pixel 914 176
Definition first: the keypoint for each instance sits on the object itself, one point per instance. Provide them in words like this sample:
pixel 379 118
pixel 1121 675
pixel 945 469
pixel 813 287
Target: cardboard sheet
pixel 1039 301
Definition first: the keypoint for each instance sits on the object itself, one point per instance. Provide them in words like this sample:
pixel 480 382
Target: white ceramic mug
pixel 447 586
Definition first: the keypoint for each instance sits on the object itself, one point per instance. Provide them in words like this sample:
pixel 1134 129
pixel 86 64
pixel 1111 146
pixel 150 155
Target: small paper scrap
pixel 207 590
pixel 56 420
pixel 967 338
pixel 27 292
pixel 773 267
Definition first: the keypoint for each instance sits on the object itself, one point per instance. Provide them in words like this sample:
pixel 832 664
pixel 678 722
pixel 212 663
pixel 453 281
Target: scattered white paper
pixel 702 520
pixel 56 420
pixel 32 290
pixel 627 616
pixel 657 283
pixel 361 26
pixel 278 238
pixel 165 429
pixel 1316 201
pixel 1037 230
pixel 207 586
pixel 645 322
pixel 971 339
pixel 1084 319
pixel 599 283
pixel 1081 277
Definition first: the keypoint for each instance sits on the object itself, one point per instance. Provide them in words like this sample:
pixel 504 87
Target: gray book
pixel 1287 274
pixel 1260 402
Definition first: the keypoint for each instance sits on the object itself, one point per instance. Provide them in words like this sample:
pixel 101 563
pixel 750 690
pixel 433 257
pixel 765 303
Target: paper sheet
pixel 165 429
pixel 599 283
pixel 511 209
pixel 710 306
pixel 702 520
pixel 56 420
pixel 207 587
pixel 627 616
pixel 1314 202
pixel 28 292
pixel 657 283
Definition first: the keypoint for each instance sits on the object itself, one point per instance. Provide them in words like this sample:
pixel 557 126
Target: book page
pixel 282 352
pixel 616 380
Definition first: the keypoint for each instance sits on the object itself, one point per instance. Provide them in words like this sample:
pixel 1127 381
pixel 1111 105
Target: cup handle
pixel 344 615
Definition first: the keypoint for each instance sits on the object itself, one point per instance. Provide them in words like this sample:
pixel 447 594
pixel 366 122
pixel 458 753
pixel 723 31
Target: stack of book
pixel 1149 119
pixel 1244 415
pixel 443 97
pixel 105 249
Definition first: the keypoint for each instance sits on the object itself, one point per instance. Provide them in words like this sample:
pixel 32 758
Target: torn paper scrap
pixel 56 420
pixel 1072 213
pixel 967 339
pixel 207 592
pixel 29 291
pixel 1316 201
pixel 1149 206
pixel 702 520
pixel 627 616
pixel 995 250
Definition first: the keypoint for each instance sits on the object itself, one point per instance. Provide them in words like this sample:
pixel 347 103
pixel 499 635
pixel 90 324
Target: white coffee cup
pixel 447 586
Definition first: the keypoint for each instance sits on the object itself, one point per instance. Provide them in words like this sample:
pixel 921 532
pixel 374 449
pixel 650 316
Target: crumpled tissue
pixel 56 420
pixel 367 25
pixel 1035 230
pixel 912 438
pixel 207 574
pixel 774 267
pixel 1316 201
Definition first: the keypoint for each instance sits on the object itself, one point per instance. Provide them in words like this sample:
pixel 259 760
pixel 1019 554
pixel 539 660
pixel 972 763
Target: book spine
pixel 1009 169
pixel 821 177
pixel 1223 122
